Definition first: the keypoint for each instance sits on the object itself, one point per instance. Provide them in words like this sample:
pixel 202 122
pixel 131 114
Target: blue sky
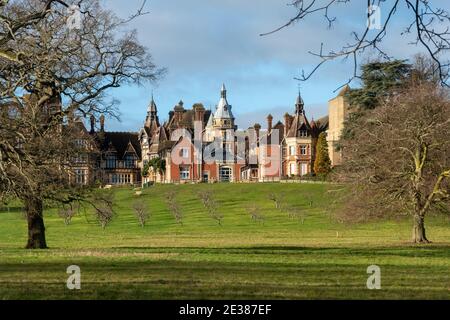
pixel 204 43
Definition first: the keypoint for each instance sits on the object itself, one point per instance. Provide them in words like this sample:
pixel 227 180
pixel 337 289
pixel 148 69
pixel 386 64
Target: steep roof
pixel 223 109
pixel 187 119
pixel 121 142
pixel 158 139
pixel 344 91
pixel 322 123
pixel 300 122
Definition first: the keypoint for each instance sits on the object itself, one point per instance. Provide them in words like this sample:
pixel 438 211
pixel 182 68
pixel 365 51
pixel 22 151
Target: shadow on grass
pixel 173 279
pixel 430 250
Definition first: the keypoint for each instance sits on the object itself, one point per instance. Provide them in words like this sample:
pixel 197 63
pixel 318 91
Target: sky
pixel 204 43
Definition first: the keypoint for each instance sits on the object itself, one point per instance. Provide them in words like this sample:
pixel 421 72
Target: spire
pixel 223 91
pixel 152 120
pixel 299 104
pixel 223 109
pixel 152 106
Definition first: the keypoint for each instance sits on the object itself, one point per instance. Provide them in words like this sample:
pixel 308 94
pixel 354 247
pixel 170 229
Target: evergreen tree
pixel 322 163
pixel 378 80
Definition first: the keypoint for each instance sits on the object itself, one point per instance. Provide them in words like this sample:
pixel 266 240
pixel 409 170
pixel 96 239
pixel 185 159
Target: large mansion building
pixel 198 145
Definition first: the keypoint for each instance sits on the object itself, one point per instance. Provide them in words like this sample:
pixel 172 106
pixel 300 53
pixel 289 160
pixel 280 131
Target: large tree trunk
pixel 36 228
pixel 419 235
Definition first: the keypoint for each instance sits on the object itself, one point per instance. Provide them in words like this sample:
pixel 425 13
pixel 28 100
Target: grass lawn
pixel 281 258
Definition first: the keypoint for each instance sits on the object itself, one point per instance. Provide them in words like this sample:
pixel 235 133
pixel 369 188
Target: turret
pixel 223 117
pixel 152 121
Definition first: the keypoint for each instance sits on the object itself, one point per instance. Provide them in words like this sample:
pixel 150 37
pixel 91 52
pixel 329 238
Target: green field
pixel 279 258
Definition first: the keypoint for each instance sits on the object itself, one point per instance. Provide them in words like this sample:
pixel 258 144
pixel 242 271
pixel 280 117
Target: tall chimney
pixel 287 123
pixel 102 123
pixel 199 111
pixel 92 119
pixel 269 123
pixel 257 127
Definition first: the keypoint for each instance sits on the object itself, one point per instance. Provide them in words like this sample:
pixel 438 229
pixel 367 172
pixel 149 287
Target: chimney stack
pixel 287 121
pixel 92 119
pixel 257 127
pixel 199 111
pixel 102 123
pixel 269 123
pixel 179 110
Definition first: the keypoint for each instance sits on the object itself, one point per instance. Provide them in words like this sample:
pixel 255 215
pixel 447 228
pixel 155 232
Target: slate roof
pixel 223 110
pixel 299 123
pixel 120 142
pixel 322 123
pixel 187 120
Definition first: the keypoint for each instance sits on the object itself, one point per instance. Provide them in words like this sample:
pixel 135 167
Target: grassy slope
pixel 240 259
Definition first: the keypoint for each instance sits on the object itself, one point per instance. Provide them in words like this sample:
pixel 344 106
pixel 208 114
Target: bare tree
pixel 102 203
pixel 141 212
pixel 278 199
pixel 49 76
pixel 255 213
pixel 211 205
pixel 429 25
pixel 104 215
pixel 309 199
pixel 67 213
pixel 213 211
pixel 295 213
pixel 174 207
pixel 398 162
pixel 206 197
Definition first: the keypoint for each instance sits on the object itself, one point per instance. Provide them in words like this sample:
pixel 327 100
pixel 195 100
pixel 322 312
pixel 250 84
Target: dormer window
pixel 130 161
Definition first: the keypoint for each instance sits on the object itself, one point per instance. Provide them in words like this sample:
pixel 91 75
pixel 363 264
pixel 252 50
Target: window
pixel 80 158
pixel 303 133
pixel 304 169
pixel 80 176
pixel 225 174
pixel 184 152
pixel 111 161
pixel 80 143
pixel 304 150
pixel 292 169
pixel 127 178
pixel 121 179
pixel 184 173
pixel 130 161
pixel 292 150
